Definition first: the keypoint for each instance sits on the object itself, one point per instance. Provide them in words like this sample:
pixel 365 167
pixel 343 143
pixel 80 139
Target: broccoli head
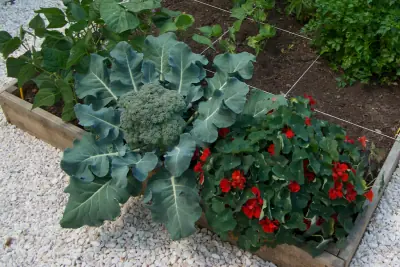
pixel 152 117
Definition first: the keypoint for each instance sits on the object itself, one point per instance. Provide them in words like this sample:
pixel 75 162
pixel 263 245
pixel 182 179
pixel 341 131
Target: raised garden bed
pixel 54 131
pixel 38 122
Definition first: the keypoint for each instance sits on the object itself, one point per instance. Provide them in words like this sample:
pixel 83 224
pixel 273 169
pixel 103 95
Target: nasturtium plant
pixel 148 111
pixel 70 35
pixel 359 37
pixel 280 176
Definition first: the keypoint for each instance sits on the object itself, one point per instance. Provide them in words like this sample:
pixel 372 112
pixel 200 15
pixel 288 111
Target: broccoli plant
pixel 150 110
pixel 146 129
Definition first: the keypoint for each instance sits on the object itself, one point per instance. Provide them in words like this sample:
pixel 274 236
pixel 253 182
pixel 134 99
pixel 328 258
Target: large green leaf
pixel 139 5
pixel 14 66
pixel 46 97
pixel 8 44
pixel 92 203
pixel 126 68
pixel 234 91
pixel 27 72
pixel 96 83
pixel 116 17
pixel 157 50
pixel 174 202
pixel 139 165
pixel 104 122
pixel 222 221
pixel 54 15
pixel 54 59
pixel 260 103
pixel 89 158
pixel 178 159
pixel 240 65
pixel 185 68
pixel 213 114
pixel 78 51
pixel 37 23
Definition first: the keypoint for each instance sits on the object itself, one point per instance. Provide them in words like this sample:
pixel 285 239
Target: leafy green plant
pixel 256 11
pixel 91 26
pixel 149 111
pixel 359 37
pixel 304 10
pixel 281 176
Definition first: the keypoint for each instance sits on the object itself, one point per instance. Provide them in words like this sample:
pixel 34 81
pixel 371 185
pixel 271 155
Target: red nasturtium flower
pixel 225 185
pixel 334 193
pixel 196 154
pixel 320 221
pixel 311 99
pixel 238 179
pixel 294 186
pixel 198 167
pixel 223 132
pixel 351 194
pixel 369 195
pixel 206 153
pixel 289 133
pixel 271 149
pixel 307 121
pixel 348 140
pixel 363 140
pixel 252 208
pixel 269 226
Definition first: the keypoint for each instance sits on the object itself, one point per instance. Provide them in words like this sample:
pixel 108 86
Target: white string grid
pixel 216 40
pixel 298 80
pixel 227 11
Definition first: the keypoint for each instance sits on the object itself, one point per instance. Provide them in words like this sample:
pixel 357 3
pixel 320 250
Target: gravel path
pixel 32 202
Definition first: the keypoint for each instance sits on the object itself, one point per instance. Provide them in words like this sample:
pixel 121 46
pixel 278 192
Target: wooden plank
pixel 287 255
pixel 363 219
pixel 38 122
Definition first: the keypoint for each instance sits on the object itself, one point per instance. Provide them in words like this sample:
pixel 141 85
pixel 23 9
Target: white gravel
pixel 32 202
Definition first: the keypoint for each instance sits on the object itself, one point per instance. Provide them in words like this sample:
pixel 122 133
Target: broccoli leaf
pixel 178 159
pixel 89 158
pixel 239 65
pixel 174 202
pixel 157 49
pixel 104 122
pixel 185 68
pixel 212 115
pixel 141 166
pixel 96 83
pixel 234 91
pixel 126 68
pixel 260 103
pixel 92 203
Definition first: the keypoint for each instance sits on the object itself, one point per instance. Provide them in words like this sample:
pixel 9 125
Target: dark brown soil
pixel 30 90
pixel 285 58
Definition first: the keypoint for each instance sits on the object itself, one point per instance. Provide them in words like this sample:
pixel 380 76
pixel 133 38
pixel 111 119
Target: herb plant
pixel 304 10
pixel 359 37
pixel 90 26
pixel 256 10
pixel 284 177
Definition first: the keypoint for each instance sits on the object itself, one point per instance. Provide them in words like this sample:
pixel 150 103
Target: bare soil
pixel 285 58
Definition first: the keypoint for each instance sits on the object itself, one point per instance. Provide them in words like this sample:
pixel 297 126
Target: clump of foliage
pixel 148 123
pixel 284 177
pixel 360 37
pixel 304 10
pixel 72 34
pixel 256 11
pixel 162 85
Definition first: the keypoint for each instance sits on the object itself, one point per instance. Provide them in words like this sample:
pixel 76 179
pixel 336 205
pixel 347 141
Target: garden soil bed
pixel 284 60
pixel 53 130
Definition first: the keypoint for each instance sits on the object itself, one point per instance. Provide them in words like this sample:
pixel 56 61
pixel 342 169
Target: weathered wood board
pixel 38 122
